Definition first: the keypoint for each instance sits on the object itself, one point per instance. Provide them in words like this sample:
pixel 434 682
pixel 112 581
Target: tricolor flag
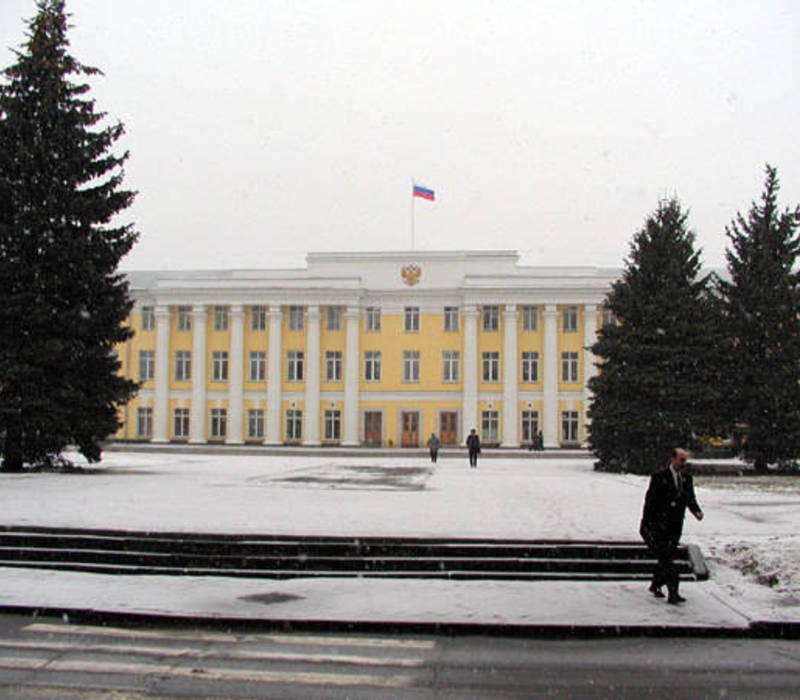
pixel 424 192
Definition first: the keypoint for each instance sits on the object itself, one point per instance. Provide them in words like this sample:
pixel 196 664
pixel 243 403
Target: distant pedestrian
pixel 433 445
pixel 539 441
pixel 670 493
pixel 474 448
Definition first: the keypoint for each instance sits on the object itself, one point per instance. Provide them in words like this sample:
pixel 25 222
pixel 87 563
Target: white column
pixel 311 411
pixel 351 375
pixel 274 377
pixel 236 381
pixel 197 415
pixel 469 401
pixel 510 387
pixel 161 403
pixel 589 369
pixel 550 377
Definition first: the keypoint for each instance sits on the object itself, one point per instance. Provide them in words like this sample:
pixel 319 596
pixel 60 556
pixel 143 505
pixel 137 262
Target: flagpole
pixel 413 214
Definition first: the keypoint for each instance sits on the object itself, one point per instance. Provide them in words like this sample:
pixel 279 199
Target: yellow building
pixel 365 349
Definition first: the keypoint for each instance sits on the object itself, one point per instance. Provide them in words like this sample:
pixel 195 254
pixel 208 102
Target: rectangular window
pixel 183 365
pixel 146 365
pixel 184 318
pixel 219 366
pixel 333 318
pixel 333 425
pixel 180 423
pixel 333 366
pixel 255 423
pixel 410 365
pixel 411 324
pixel 491 366
pixel 491 318
pixel 569 366
pixel 569 319
pixel 294 424
pixel 294 365
pixel 530 366
pixel 219 423
pixel 258 318
pixel 295 318
pixel 258 365
pixel 569 426
pixel 148 318
pixel 372 365
pixel 609 319
pixel 450 365
pixel 530 426
pixel 372 319
pixel 489 426
pixel 144 422
pixel 451 319
pixel 220 318
pixel 529 318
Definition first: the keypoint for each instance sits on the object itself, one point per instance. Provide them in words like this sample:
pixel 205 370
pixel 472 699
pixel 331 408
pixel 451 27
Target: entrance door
pixel 373 428
pixel 448 432
pixel 410 437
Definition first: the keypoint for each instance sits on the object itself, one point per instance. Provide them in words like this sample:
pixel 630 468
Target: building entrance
pixel 410 434
pixel 448 430
pixel 373 428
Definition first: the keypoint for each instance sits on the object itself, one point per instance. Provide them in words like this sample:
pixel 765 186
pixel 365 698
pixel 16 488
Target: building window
pixel 491 366
pixel 294 365
pixel 372 319
pixel 144 422
pixel 333 319
pixel 220 318
pixel 489 426
pixel 569 426
pixel 258 318
pixel 410 365
pixel 148 318
pixel 491 318
pixel 184 318
pixel 294 424
pixel 333 425
pixel 258 365
pixel 333 366
pixel 609 319
pixel 450 365
pixel 451 319
pixel 530 426
pixel 183 365
pixel 295 318
pixel 569 366
pixel 180 423
pixel 255 423
pixel 529 318
pixel 219 423
pixel 569 319
pixel 530 366
pixel 219 366
pixel 372 365
pixel 411 319
pixel 146 365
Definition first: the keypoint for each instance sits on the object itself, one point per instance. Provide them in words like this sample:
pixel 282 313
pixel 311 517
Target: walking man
pixel 433 445
pixel 669 494
pixel 474 448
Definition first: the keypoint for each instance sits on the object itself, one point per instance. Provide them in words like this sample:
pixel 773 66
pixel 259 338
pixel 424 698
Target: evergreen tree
pixel 62 300
pixel 762 303
pixel 658 381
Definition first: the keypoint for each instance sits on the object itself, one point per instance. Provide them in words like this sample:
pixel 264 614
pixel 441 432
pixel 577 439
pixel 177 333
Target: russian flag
pixel 424 192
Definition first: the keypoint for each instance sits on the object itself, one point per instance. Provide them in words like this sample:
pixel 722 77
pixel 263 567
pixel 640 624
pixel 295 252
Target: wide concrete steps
pixel 284 556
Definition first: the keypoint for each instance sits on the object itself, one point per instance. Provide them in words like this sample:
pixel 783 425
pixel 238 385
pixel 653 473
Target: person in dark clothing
pixel 670 493
pixel 433 445
pixel 473 447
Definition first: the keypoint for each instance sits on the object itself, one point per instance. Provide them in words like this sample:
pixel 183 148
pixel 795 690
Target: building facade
pixel 378 349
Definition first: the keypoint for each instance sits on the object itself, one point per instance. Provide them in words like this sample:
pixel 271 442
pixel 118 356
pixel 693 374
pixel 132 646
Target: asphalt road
pixel 46 657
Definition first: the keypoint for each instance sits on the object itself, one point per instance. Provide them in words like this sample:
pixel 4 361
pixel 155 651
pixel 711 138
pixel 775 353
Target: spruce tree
pixel 762 303
pixel 62 300
pixel 657 384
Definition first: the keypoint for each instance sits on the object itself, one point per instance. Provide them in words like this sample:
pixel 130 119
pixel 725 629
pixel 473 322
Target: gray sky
pixel 260 130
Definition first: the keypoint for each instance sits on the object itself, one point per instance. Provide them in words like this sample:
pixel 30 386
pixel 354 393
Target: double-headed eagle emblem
pixel 411 274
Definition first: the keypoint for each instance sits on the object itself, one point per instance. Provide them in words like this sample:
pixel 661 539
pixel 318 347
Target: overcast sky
pixel 261 130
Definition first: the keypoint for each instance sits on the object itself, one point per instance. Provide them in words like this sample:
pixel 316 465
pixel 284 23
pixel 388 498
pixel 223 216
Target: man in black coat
pixel 473 448
pixel 670 493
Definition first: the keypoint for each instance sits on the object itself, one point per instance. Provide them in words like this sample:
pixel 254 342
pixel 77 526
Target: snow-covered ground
pixel 750 535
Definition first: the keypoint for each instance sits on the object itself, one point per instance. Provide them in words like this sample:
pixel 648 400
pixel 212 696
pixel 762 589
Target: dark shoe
pixel 656 591
pixel 675 599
